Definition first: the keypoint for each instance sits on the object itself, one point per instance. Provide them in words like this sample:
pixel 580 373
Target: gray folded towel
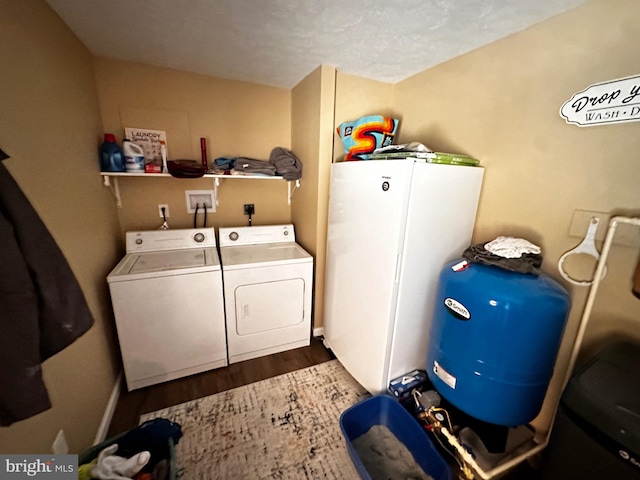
pixel 250 165
pixel 286 163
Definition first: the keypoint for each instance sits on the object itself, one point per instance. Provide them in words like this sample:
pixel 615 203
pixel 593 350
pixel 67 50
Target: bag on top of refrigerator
pixel 366 134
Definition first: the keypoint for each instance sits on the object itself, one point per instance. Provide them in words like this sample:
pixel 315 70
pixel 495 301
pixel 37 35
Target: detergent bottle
pixel 133 157
pixel 111 159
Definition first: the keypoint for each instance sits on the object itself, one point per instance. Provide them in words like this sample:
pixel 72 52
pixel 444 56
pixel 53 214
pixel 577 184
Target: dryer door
pixel 268 309
pixel 269 305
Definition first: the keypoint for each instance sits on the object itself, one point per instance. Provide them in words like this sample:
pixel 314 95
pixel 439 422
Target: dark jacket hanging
pixel 42 308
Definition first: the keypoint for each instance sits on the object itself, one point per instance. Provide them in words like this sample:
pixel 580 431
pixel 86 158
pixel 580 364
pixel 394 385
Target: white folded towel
pixel 510 247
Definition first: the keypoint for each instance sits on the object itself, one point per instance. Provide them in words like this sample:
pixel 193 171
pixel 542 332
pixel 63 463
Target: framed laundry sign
pixel 616 101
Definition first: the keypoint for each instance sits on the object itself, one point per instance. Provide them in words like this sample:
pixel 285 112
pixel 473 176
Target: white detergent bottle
pixel 133 157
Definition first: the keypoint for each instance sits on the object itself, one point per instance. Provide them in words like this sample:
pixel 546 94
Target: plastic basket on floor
pixel 159 449
pixel 385 410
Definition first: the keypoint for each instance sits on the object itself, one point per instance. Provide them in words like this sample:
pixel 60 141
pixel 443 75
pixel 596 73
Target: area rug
pixel 285 427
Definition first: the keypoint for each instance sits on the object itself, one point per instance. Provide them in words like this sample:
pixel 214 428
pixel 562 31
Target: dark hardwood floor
pixel 133 404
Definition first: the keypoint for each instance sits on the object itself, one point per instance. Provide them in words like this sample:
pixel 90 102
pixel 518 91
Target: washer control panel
pixel 159 240
pixel 256 235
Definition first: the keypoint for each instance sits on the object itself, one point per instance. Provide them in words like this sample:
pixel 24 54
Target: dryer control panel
pixel 256 235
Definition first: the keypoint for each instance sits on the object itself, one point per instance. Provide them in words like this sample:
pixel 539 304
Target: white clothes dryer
pixel 268 283
pixel 169 307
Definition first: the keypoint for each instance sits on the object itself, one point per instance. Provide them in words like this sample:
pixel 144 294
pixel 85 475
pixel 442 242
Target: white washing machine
pixel 169 306
pixel 268 283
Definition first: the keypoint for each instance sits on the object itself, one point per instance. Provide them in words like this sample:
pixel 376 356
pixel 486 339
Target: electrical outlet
pixel 200 199
pixel 60 446
pixel 249 209
pixel 166 210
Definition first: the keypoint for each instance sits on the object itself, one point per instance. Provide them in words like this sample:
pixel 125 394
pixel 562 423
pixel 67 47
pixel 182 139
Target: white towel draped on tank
pixel 510 247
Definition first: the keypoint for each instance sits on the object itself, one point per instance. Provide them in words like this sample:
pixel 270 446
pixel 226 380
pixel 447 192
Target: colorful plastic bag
pixel 364 135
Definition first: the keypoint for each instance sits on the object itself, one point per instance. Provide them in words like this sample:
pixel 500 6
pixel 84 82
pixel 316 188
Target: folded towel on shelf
pixel 249 166
pixel 286 163
pixel 224 163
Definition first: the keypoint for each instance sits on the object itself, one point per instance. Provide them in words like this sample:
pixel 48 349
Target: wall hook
pixel 588 247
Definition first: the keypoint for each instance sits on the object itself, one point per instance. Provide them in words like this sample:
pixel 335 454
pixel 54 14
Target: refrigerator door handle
pixel 396 278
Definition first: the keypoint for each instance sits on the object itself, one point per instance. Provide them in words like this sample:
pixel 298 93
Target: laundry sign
pixel 616 101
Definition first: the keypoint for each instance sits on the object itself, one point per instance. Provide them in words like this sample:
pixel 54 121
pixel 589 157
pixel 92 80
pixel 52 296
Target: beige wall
pixel 311 139
pixel 500 104
pixel 236 118
pixel 50 125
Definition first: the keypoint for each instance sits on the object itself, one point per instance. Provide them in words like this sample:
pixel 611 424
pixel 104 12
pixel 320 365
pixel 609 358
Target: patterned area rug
pixel 285 427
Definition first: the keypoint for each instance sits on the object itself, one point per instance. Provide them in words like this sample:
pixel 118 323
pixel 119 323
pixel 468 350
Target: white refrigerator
pixel 393 224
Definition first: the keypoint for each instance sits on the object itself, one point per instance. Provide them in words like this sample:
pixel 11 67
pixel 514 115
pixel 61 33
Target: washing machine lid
pixel 162 263
pixel 269 254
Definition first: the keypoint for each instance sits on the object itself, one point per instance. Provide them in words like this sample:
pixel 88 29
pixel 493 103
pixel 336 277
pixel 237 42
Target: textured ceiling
pixel 279 42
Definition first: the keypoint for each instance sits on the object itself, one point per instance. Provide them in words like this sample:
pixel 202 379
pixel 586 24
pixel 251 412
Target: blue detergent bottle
pixel 111 158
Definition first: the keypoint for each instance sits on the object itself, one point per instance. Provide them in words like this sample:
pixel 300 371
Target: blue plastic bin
pixel 387 411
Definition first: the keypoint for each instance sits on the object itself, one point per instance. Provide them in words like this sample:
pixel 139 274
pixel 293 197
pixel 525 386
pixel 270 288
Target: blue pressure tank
pixel 494 340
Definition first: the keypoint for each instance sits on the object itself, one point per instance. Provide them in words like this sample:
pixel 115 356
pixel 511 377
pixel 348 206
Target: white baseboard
pixel 318 332
pixel 109 411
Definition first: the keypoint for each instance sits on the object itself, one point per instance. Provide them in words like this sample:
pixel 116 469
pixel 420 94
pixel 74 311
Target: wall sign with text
pixel 616 101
